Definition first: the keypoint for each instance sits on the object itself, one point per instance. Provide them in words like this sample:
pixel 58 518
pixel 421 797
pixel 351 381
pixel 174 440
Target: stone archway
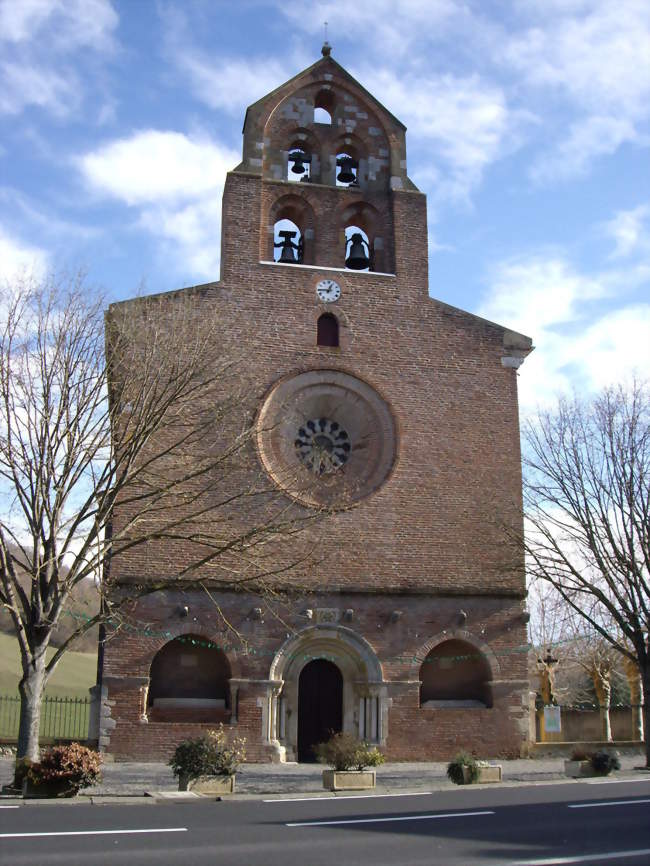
pixel 362 699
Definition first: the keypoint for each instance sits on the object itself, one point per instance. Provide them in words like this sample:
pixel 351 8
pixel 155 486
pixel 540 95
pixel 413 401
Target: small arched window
pixel 322 115
pixel 323 107
pixel 327 330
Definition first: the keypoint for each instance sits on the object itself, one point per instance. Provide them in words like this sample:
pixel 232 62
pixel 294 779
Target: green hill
pixel 74 674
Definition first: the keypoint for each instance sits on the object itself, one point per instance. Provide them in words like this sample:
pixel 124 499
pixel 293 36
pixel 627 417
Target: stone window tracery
pixel 323 446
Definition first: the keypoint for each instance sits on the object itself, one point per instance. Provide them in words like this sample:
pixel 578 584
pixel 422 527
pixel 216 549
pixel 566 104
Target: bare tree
pixel 587 501
pixel 151 414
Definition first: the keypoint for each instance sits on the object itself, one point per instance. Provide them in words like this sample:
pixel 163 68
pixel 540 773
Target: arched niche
pixel 189 679
pixel 295 210
pixel 455 673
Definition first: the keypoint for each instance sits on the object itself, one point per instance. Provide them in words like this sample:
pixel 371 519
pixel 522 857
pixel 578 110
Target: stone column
pixel 234 701
pixel 636 696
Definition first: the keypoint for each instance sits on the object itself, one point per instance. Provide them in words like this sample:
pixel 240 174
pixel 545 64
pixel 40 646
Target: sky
pixel 527 128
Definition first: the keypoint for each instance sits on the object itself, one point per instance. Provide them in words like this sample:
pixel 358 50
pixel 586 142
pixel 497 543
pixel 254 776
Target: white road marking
pixel 609 803
pixel 386 820
pixel 93 832
pixel 615 781
pixel 9 807
pixel 331 797
pixel 586 858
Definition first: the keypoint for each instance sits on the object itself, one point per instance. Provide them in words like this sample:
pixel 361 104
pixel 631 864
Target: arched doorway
pixel 320 705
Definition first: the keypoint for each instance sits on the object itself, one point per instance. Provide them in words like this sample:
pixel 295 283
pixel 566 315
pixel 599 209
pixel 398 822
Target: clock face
pixel 328 291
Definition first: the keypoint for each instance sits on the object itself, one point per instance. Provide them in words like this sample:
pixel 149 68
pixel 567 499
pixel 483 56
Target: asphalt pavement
pixel 574 822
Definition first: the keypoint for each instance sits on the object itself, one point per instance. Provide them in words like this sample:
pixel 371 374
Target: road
pixel 582 822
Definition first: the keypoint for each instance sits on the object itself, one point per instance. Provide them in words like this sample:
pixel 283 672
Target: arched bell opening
pixel 358 255
pixel 189 680
pixel 347 168
pixel 291 231
pixel 363 230
pixel 288 243
pixel 327 330
pixel 351 161
pixel 324 104
pixel 299 164
pixel 455 674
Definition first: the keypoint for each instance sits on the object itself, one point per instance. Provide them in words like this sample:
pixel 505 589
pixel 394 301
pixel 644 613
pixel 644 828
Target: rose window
pixel 323 446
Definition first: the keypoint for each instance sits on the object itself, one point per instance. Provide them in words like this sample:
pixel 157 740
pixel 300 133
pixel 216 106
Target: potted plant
pixel 465 769
pixel 62 772
pixel 348 759
pixel 208 764
pixel 585 764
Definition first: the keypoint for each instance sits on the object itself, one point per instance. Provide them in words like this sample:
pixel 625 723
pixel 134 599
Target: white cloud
pixel 382 25
pixel 593 55
pixel 69 23
pixel 581 339
pixel 24 84
pixel 629 231
pixel 465 123
pixel 588 139
pixel 18 258
pixel 42 40
pixel 154 165
pixel 176 182
pixel 532 293
pixel 231 83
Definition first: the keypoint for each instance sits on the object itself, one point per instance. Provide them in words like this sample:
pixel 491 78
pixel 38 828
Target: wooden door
pixel 320 706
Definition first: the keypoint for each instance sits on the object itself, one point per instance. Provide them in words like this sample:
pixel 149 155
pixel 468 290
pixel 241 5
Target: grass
pixel 74 675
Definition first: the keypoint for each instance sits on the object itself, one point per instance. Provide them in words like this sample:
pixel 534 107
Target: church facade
pixel 396 416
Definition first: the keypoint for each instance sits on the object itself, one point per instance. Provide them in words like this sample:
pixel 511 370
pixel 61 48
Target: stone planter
pixel 47 790
pixel 488 773
pixel 209 785
pixel 349 780
pixel 579 769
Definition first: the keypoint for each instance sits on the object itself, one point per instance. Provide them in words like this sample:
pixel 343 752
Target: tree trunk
pixel 635 682
pixel 605 724
pixel 645 673
pixel 31 689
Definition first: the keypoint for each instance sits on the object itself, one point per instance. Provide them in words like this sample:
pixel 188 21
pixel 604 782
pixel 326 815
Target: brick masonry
pixel 420 560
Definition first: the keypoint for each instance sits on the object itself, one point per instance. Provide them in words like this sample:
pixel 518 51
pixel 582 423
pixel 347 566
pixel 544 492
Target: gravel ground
pixel 133 779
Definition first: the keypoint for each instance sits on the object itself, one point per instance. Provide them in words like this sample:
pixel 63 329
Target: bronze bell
pixel 358 259
pixel 299 158
pixel 291 253
pixel 346 164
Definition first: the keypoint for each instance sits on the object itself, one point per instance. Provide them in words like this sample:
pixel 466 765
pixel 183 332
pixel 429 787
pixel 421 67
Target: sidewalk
pixel 134 779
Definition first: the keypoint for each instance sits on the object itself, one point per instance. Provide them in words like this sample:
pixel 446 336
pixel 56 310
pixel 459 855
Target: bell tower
pixel 329 165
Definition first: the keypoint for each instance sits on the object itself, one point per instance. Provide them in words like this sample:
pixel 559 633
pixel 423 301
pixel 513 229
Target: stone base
pixel 47 790
pixel 349 780
pixel 209 785
pixel 579 769
pixel 491 773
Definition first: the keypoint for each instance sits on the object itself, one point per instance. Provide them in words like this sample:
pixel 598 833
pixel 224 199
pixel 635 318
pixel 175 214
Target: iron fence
pixel 61 718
